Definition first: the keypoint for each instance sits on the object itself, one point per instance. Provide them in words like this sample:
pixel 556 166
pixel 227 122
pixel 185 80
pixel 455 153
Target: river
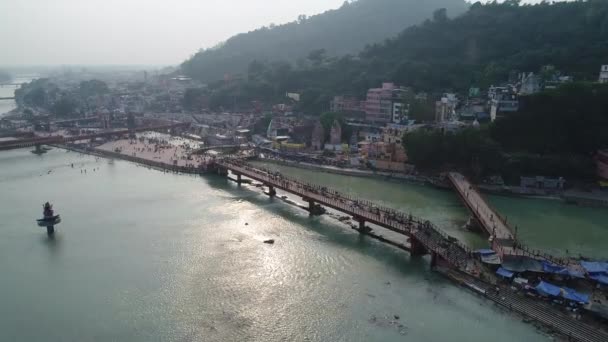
pixel 548 225
pixel 146 256
pixel 9 91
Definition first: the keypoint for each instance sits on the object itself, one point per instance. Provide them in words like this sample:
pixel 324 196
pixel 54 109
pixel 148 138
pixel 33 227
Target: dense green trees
pixel 555 133
pixel 484 46
pixel 93 88
pixel 65 108
pixel 469 148
pixel 333 33
pixel 572 119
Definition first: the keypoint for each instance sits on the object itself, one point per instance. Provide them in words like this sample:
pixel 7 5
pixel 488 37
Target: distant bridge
pixel 59 139
pixel 7 98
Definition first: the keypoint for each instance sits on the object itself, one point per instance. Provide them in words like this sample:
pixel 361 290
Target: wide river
pixel 9 91
pixel 147 256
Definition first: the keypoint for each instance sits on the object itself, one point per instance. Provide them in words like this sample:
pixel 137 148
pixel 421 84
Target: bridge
pixel 503 237
pixel 488 218
pixel 424 237
pixel 7 98
pixel 59 139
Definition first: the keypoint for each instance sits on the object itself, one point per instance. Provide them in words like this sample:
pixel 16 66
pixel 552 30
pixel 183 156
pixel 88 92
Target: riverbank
pixel 509 191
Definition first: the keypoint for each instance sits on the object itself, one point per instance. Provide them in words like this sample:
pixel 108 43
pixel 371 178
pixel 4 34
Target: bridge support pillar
pixel 38 149
pixel 238 179
pixel 222 172
pixel 362 228
pixel 434 257
pixel 271 191
pixel 416 248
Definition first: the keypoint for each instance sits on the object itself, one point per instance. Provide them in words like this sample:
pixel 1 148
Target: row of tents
pixel 594 270
pixel 550 290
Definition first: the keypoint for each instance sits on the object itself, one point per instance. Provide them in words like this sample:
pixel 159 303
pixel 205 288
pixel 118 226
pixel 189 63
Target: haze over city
pixel 304 170
pixel 133 32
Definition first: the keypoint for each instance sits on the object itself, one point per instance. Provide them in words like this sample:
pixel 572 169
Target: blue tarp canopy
pixel 576 274
pixel 485 251
pixel 555 269
pixel 595 267
pixel 551 268
pixel 504 273
pixel 600 278
pixel 575 296
pixel 548 289
pixel 564 292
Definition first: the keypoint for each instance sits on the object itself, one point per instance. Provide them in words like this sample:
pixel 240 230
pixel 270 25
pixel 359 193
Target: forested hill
pixel 490 41
pixel 342 31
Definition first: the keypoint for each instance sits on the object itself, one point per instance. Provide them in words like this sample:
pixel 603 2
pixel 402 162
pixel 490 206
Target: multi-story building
pixel 604 74
pixel 335 134
pixel 529 84
pixel 445 109
pixel 602 164
pixel 318 136
pixel 341 104
pixel 384 105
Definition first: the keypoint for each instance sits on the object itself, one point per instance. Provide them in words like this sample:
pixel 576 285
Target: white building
pixel 604 74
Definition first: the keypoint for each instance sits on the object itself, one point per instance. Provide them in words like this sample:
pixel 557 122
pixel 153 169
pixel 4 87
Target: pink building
pixel 384 105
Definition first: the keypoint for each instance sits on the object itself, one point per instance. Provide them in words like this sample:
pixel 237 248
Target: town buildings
pixel 318 136
pixel 346 104
pixel 445 108
pixel 604 74
pixel 602 164
pixel 386 104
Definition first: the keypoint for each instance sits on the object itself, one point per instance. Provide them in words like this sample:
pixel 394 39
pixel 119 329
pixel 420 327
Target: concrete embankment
pixel 347 171
pixel 147 162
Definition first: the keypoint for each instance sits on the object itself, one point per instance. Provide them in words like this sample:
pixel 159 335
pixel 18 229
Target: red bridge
pixel 424 238
pixel 59 139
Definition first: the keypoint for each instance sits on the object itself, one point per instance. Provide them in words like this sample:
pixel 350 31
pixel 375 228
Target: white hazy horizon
pixel 133 32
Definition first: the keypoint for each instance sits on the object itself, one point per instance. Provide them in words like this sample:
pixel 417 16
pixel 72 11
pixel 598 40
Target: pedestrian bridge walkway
pixel 488 218
pixel 424 237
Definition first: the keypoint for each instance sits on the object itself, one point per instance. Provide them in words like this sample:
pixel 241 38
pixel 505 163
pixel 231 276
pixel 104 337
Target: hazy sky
pixel 158 32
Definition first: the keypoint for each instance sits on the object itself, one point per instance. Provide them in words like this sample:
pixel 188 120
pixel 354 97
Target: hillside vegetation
pixel 479 48
pixel 342 31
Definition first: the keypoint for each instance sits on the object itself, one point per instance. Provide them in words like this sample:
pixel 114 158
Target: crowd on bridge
pixel 425 232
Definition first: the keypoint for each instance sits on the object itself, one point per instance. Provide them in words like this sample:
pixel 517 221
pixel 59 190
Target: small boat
pixel 269 241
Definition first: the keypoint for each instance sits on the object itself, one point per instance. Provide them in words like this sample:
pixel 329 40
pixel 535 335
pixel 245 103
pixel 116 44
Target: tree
pixel 193 98
pixel 316 57
pixel 93 88
pixel 440 15
pixel 64 108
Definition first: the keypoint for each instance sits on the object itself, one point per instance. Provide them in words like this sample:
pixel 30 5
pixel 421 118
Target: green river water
pixel 147 256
